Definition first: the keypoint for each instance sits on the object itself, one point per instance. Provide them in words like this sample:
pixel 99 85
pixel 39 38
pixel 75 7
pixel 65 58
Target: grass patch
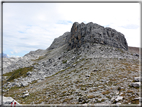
pixel 129 91
pixel 60 71
pixel 83 88
pixel 135 101
pixel 106 92
pixel 18 73
pixel 39 58
pixel 12 92
pixel 91 96
pixel 64 61
pixel 67 100
pixel 92 90
pixel 119 49
pixel 35 81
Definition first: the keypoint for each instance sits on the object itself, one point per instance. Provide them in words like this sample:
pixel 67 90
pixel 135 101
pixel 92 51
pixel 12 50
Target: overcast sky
pixel 31 26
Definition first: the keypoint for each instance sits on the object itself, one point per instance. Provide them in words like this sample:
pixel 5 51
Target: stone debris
pixel 25 94
pixel 138 98
pixel 118 98
pixel 135 84
pixel 24 83
pixel 137 79
pixel 95 70
pixel 115 99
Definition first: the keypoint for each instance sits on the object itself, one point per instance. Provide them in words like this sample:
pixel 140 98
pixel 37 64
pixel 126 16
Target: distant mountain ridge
pixel 4 55
pixel 133 49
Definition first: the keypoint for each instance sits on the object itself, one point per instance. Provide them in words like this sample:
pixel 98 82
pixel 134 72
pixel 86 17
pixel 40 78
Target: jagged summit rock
pixel 94 33
pixel 82 34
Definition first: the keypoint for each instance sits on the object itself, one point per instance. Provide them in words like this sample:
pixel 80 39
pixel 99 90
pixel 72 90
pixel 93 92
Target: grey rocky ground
pixel 93 73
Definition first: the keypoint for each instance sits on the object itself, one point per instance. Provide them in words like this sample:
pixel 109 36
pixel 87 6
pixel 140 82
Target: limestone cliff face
pixel 94 33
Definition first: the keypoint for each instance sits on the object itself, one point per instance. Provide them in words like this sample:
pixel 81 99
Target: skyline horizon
pixel 31 26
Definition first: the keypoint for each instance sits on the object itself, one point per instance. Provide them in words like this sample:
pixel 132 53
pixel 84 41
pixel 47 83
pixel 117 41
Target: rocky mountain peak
pixel 75 69
pixel 94 33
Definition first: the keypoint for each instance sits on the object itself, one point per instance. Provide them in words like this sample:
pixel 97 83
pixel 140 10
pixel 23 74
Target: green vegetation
pixel 39 58
pixel 106 92
pixel 35 81
pixel 18 73
pixel 60 88
pixel 64 61
pixel 119 49
pixel 91 96
pixel 59 72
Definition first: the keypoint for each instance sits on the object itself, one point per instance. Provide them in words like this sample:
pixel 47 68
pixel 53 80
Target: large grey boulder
pixel 94 33
pixel 7 101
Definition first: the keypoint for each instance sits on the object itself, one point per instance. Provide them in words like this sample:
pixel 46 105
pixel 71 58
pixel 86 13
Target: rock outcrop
pixel 60 41
pixel 94 33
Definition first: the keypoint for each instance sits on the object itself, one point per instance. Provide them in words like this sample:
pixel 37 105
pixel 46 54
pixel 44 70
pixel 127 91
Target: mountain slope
pixel 4 55
pixel 76 70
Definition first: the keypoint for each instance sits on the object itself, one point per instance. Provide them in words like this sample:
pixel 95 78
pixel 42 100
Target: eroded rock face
pixel 60 41
pixel 94 33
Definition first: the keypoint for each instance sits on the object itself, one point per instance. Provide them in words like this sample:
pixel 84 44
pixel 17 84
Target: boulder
pixel 137 79
pixel 24 83
pixel 7 101
pixel 135 84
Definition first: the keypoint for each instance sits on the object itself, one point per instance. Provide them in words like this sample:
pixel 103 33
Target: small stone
pixel 119 88
pixel 124 78
pixel 25 92
pixel 136 84
pixel 136 54
pixel 117 92
pixel 29 73
pixel 74 65
pixel 118 98
pixel 24 83
pixel 87 75
pixel 137 79
pixel 95 70
pixel 118 103
pixel 121 93
pixel 25 95
pixel 139 98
